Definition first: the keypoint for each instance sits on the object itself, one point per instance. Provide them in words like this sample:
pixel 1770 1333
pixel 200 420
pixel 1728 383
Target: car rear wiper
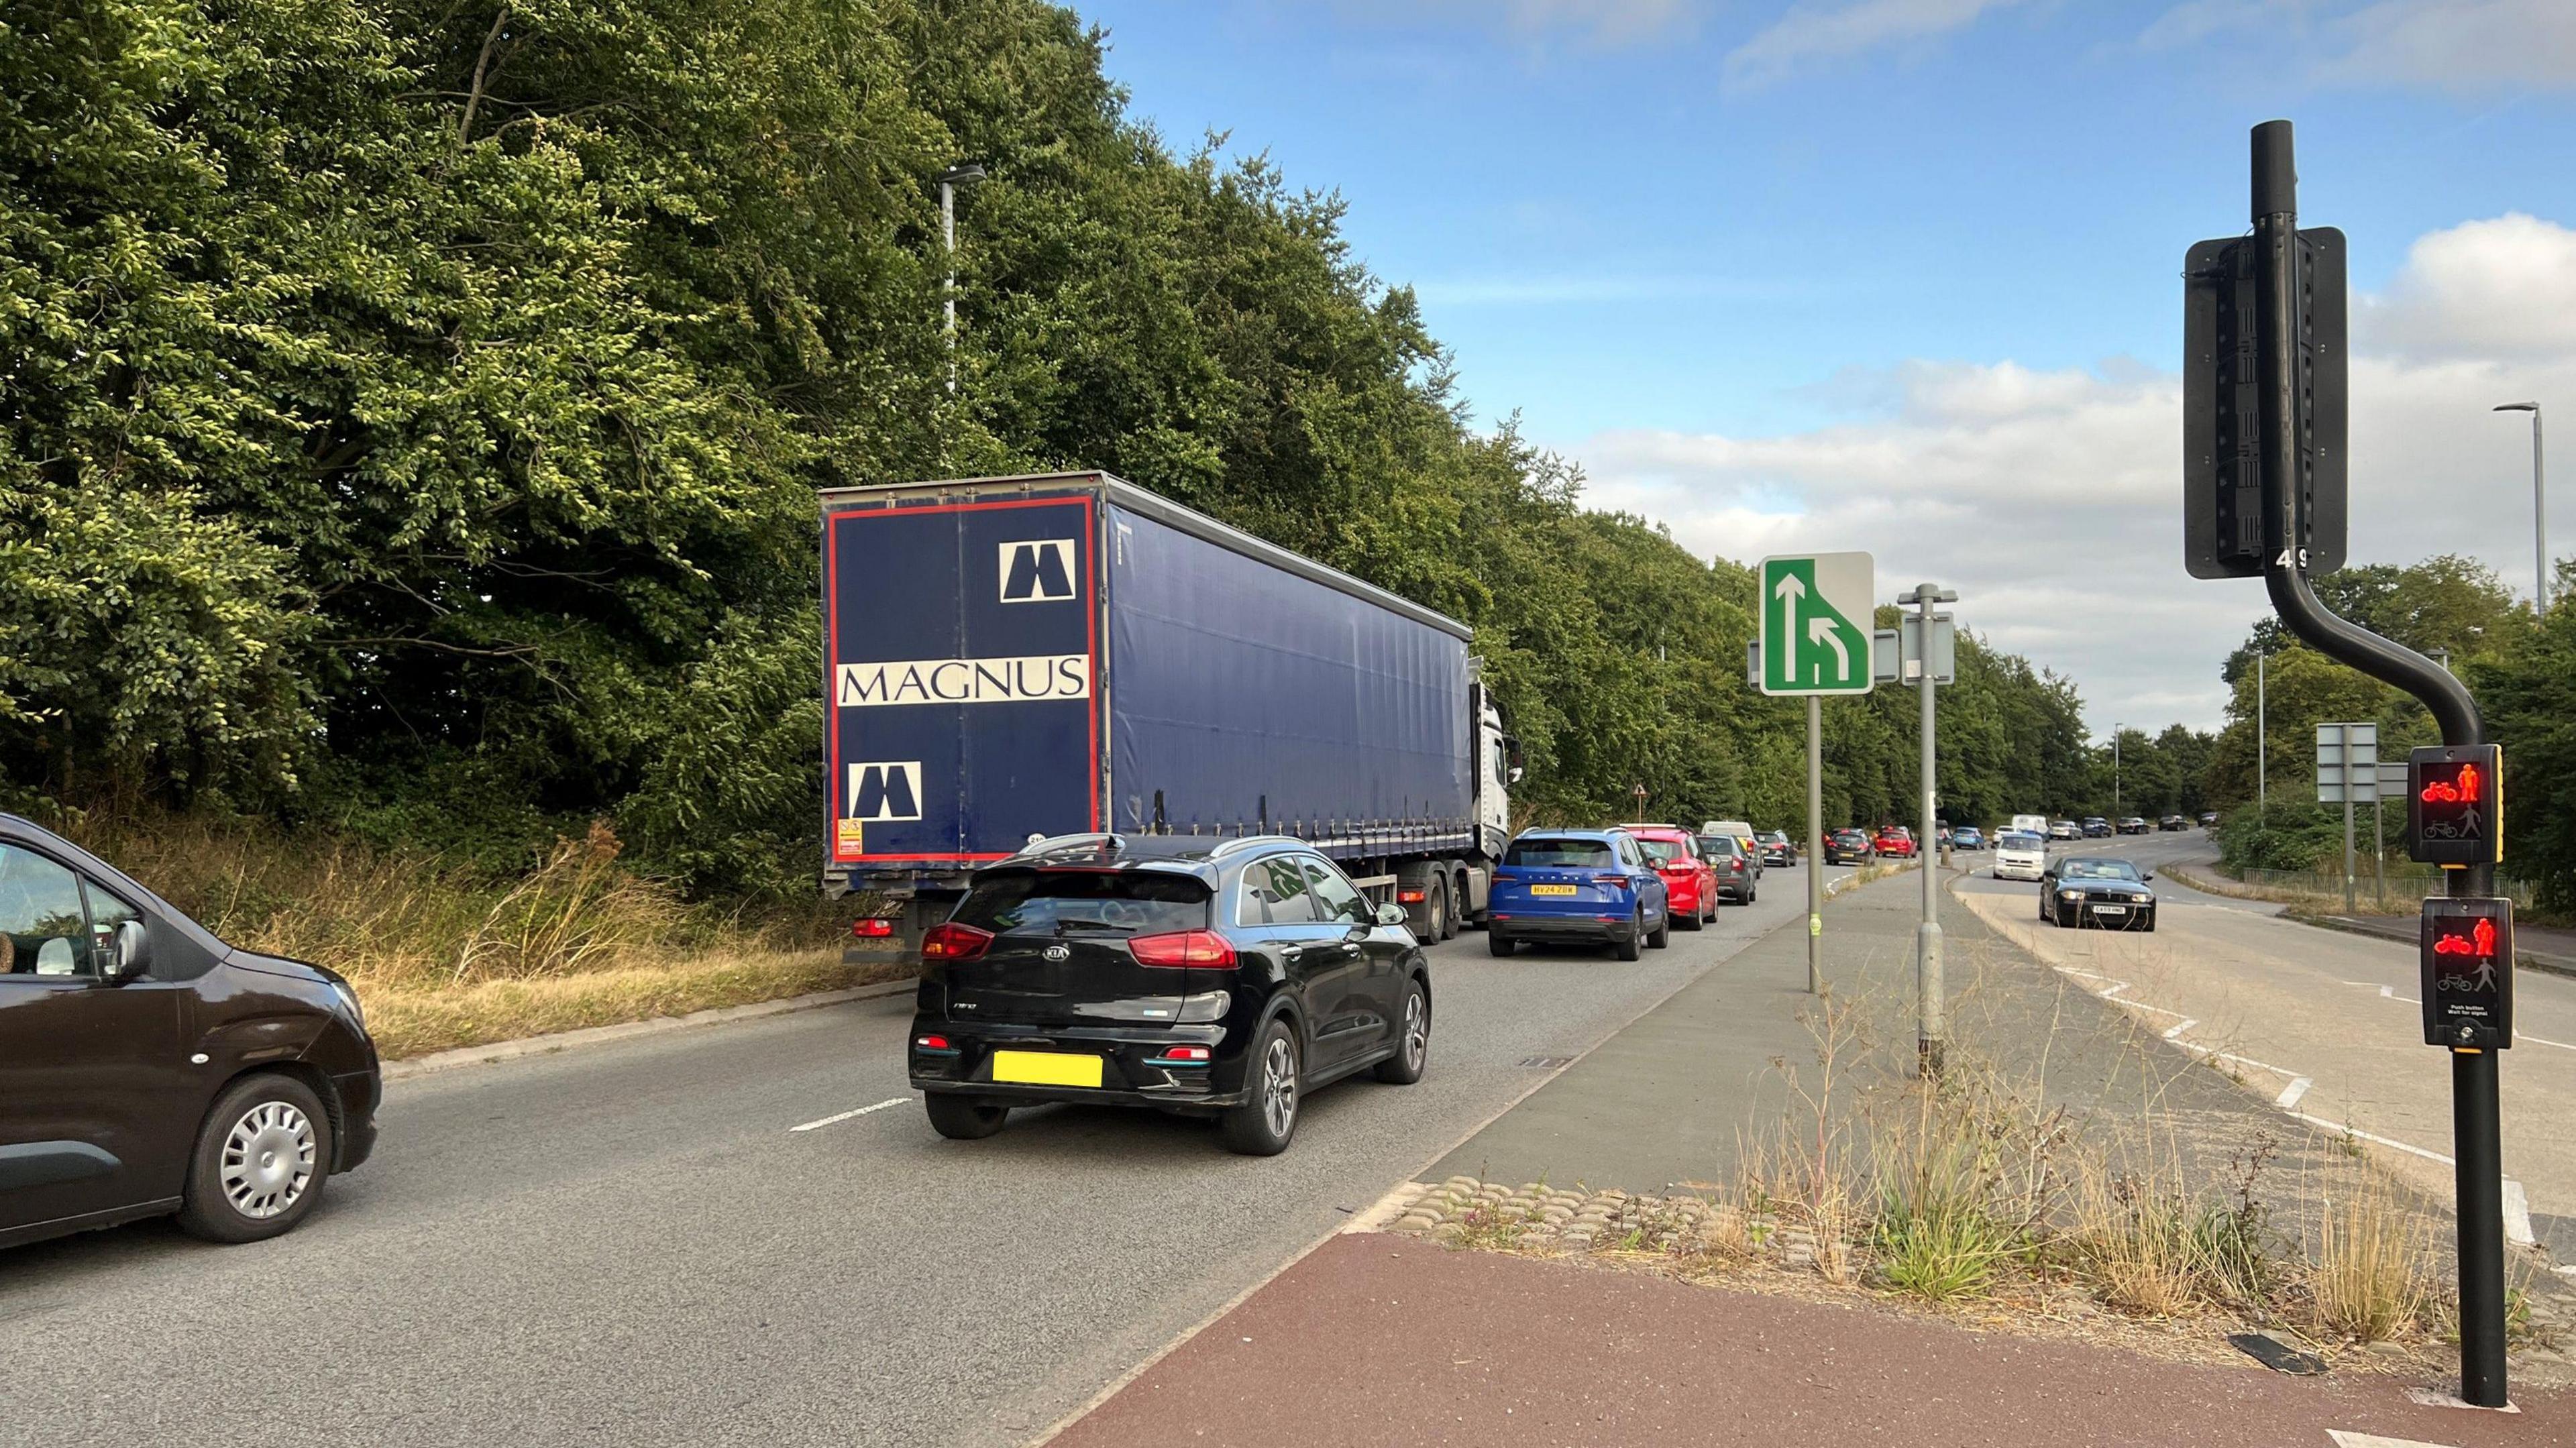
pixel 1066 927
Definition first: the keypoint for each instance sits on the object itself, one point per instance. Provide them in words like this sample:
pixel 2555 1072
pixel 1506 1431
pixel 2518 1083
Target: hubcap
pixel 267 1160
pixel 1279 1085
pixel 1417 1032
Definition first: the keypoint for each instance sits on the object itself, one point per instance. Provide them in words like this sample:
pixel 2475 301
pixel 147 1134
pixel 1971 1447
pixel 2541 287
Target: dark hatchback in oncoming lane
pixel 1204 977
pixel 146 1067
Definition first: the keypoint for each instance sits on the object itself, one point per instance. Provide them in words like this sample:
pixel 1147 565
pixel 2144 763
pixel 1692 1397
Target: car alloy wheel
pixel 267 1160
pixel 1279 1086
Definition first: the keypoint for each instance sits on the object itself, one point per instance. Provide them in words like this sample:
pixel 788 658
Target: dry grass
pixel 2374 1271
pixel 416 1022
pixel 443 955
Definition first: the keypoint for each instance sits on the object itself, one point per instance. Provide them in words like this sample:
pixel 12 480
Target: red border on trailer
pixel 832 660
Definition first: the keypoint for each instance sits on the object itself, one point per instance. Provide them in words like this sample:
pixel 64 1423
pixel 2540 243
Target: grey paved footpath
pixel 1672 1099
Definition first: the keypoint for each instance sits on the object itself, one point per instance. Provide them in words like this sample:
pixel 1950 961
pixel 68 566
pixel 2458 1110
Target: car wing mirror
pixel 1390 915
pixel 2149 875
pixel 131 953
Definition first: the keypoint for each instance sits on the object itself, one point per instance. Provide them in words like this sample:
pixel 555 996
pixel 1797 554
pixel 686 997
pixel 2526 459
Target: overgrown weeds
pixel 2374 1266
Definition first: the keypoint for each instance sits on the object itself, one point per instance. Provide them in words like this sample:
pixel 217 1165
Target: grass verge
pixel 416 1022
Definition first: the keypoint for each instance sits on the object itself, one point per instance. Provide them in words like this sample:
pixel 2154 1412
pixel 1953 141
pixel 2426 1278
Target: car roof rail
pixel 1246 842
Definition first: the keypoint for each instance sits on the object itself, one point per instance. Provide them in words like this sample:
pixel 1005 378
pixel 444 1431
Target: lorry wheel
pixel 1458 907
pixel 1499 943
pixel 1435 904
pixel 1630 948
pixel 962 1118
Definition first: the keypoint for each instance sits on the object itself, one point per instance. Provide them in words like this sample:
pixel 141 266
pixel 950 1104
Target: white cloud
pixel 2502 287
pixel 2461 44
pixel 1609 22
pixel 2051 499
pixel 1811 32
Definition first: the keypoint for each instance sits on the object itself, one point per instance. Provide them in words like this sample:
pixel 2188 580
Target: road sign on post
pixel 1816 611
pixel 2347 770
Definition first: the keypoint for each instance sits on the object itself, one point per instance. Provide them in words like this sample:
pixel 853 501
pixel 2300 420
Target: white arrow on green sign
pixel 1816 612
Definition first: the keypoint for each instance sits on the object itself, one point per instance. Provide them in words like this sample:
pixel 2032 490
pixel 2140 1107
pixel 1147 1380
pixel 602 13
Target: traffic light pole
pixel 1815 845
pixel 2479 1175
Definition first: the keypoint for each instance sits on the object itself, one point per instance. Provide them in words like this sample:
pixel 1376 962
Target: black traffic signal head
pixel 2455 804
pixel 2467 972
pixel 2222 435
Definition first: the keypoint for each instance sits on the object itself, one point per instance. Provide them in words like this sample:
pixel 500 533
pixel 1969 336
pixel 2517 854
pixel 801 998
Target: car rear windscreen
pixel 1662 852
pixel 1718 847
pixel 1560 855
pixel 1044 902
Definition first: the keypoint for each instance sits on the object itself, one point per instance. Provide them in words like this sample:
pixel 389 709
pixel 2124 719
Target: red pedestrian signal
pixel 2479 942
pixel 2454 808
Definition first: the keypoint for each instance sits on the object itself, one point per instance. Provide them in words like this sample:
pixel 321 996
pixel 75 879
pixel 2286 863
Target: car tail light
pixel 872 928
pixel 1183 1056
pixel 1184 950
pixel 1611 882
pixel 1409 897
pixel 932 1043
pixel 952 941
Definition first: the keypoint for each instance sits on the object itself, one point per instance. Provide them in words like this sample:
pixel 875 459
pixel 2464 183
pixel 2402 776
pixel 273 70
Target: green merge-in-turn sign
pixel 1816 614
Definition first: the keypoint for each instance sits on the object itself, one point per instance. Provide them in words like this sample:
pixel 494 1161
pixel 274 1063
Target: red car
pixel 1688 877
pixel 1896 842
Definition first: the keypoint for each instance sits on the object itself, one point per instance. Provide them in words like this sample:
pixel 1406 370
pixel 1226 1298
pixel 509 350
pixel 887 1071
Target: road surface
pixel 630 1244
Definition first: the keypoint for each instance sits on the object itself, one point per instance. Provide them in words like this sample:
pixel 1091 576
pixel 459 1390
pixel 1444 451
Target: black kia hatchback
pixel 1206 977
pixel 147 1067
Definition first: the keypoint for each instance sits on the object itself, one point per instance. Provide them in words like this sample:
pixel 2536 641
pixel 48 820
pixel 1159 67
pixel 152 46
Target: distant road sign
pixel 1816 615
pixel 2347 763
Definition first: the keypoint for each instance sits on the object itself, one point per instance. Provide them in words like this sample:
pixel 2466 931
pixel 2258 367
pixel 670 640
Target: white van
pixel 2020 854
pixel 1741 831
pixel 2030 825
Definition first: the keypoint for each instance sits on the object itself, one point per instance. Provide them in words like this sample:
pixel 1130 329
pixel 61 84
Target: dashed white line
pixel 2291 1093
pixel 2178 1027
pixel 846 1115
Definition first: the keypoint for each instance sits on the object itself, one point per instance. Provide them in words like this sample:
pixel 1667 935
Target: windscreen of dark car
pixel 2097 870
pixel 1561 855
pixel 1050 902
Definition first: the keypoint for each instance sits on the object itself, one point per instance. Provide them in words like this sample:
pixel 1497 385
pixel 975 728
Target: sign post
pixel 1815 640
pixel 2265 406
pixel 2348 770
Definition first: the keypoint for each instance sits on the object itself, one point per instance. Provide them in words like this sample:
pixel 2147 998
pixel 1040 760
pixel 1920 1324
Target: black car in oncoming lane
pixel 1204 977
pixel 146 1067
pixel 2080 890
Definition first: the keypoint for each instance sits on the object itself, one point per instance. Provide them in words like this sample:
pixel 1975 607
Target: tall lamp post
pixel 2539 517
pixel 2115 767
pixel 949 181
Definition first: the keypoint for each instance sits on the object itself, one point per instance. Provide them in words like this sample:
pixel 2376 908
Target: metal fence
pixel 2398 886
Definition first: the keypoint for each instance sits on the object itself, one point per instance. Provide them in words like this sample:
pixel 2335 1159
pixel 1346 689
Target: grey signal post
pixel 1931 1034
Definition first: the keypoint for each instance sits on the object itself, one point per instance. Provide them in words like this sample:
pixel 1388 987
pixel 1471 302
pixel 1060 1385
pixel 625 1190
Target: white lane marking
pixel 2291 1093
pixel 846 1115
pixel 2178 1027
pixel 2387 991
pixel 2359 1134
pixel 2347 1439
pixel 2542 1041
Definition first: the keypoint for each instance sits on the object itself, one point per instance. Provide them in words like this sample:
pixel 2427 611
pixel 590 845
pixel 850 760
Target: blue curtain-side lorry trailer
pixel 1009 659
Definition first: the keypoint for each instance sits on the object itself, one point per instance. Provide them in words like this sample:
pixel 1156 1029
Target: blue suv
pixel 1578 887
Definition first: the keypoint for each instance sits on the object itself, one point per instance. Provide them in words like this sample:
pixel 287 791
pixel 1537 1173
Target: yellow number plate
pixel 1551 889
pixel 1046 1068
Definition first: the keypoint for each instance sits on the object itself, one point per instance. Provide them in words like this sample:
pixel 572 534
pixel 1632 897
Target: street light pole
pixel 2262 754
pixel 949 181
pixel 1931 1033
pixel 2115 768
pixel 2539 519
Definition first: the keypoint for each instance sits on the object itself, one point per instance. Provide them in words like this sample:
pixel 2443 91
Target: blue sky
pixel 1902 274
